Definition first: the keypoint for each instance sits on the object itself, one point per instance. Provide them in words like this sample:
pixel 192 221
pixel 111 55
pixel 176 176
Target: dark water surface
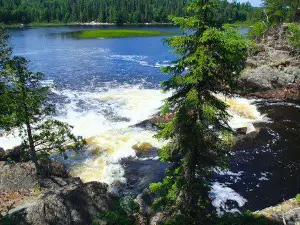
pixel 263 173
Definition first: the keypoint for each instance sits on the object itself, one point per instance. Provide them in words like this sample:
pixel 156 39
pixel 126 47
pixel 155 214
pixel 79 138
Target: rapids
pixel 105 87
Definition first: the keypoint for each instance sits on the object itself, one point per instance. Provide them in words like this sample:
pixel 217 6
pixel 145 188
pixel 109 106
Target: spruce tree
pixel 199 137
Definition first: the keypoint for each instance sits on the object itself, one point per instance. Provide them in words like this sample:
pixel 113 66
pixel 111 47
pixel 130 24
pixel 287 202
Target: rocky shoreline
pixel 58 198
pixel 273 70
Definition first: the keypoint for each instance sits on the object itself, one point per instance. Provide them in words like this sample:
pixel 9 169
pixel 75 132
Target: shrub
pixel 293 35
pixel 122 211
pixel 258 30
pixel 298 198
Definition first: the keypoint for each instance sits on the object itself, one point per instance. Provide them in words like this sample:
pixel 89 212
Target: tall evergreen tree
pixel 199 135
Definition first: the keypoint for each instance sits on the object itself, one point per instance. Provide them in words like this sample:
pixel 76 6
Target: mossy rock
pixel 143 147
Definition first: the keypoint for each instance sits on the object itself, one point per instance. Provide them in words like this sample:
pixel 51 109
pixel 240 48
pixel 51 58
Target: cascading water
pixel 104 87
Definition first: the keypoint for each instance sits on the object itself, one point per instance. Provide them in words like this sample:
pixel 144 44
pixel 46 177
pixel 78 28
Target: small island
pixel 117 33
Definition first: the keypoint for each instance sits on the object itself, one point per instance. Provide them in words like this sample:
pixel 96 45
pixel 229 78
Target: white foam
pixel 220 194
pixel 106 150
pixel 243 113
pixel 132 58
pixel 107 114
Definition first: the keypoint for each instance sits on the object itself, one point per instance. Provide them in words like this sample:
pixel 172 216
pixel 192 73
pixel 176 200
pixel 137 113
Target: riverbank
pixel 54 24
pixel 273 70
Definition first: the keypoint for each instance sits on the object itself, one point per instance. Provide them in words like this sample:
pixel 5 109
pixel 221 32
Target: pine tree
pixel 199 137
pixel 29 110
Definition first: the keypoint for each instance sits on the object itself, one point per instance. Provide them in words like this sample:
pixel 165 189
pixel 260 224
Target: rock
pixel 143 147
pixel 241 131
pixel 75 204
pixel 273 71
pixel 16 154
pixel 157 219
pixel 2 154
pixel 15 176
pixel 288 211
pixel 246 141
pixel 144 200
pixel 154 121
pixel 53 168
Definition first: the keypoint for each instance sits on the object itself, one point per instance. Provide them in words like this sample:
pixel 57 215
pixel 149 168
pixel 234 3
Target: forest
pixel 114 11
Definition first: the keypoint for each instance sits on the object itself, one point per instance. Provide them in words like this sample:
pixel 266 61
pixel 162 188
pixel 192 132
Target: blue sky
pixel 253 2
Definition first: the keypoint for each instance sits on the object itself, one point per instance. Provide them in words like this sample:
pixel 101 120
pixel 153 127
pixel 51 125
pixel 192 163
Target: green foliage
pixel 121 213
pixel 117 33
pixel 279 11
pixel 293 35
pixel 114 11
pixel 298 198
pixel 25 105
pixel 257 30
pixel 247 218
pixel 199 136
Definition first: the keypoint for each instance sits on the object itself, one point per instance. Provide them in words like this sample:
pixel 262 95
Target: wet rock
pixel 154 121
pixel 241 131
pixel 143 147
pixel 118 188
pixel 141 173
pixel 2 154
pixel 246 141
pixel 290 94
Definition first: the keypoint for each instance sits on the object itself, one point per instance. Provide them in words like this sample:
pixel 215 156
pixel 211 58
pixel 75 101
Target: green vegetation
pixel 114 11
pixel 122 213
pixel 257 30
pixel 199 136
pixel 279 11
pixel 294 35
pixel 117 33
pixel 298 198
pixel 25 105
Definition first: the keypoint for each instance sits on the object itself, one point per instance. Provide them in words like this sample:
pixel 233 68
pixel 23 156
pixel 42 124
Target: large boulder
pixel 54 199
pixel 71 204
pixel 16 176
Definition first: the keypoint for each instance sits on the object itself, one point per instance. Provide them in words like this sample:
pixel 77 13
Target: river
pixel 105 86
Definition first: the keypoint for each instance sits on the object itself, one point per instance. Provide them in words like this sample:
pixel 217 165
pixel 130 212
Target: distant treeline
pixel 115 11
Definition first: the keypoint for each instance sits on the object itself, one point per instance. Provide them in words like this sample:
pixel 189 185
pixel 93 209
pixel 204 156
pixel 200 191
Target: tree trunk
pixel 32 152
pixel 31 145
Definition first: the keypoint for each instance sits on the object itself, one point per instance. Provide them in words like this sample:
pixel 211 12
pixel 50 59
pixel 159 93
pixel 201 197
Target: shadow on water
pixel 268 163
pixel 265 166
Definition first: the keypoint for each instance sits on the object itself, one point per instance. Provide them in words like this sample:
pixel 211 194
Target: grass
pixel 117 33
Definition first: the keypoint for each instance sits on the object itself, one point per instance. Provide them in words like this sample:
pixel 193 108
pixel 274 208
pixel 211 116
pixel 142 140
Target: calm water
pixel 105 86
